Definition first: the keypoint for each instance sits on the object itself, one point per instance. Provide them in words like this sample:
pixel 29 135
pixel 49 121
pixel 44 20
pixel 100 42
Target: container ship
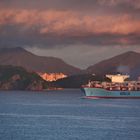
pixel 117 88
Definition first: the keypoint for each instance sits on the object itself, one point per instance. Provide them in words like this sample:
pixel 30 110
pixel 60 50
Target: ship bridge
pixel 117 78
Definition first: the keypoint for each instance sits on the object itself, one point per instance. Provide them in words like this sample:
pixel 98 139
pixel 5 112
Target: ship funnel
pixel 117 78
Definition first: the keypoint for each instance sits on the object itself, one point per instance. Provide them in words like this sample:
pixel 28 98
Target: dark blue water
pixel 64 115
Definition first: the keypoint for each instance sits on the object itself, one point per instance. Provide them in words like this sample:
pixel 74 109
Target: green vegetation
pixel 17 78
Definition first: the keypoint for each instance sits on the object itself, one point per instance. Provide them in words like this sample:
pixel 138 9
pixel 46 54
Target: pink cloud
pixel 69 23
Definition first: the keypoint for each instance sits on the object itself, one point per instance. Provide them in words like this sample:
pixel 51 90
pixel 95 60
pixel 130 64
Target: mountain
pixel 21 57
pixel 126 63
pixel 17 78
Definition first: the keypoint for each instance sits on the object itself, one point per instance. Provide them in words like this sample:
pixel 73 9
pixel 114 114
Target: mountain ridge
pixel 126 63
pixel 20 57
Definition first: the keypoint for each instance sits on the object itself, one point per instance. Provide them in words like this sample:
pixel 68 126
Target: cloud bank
pixel 55 27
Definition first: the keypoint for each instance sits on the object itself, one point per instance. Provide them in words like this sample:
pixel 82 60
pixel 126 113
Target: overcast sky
pixel 82 32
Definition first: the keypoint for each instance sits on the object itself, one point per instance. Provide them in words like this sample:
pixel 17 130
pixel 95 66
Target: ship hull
pixel 103 93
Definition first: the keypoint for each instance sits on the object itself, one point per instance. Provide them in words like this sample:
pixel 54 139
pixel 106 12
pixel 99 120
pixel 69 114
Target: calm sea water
pixel 65 115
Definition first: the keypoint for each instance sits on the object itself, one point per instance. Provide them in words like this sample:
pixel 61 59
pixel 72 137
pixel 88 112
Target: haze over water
pixel 65 115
